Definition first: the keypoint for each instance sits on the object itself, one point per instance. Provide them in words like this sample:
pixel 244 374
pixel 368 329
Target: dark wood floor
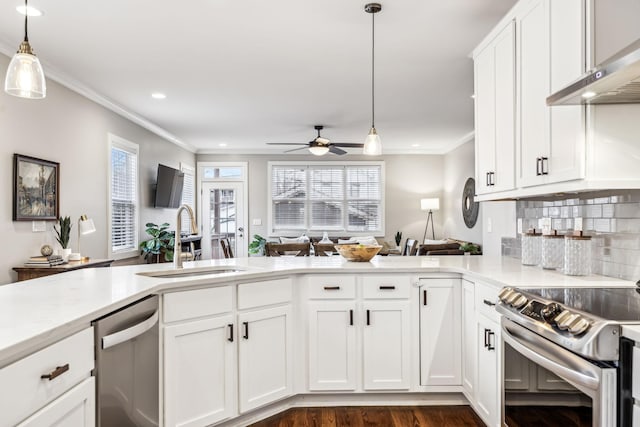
pixel 387 416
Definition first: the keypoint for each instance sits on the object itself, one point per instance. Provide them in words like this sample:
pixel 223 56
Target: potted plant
pixel 256 247
pixel 470 248
pixel 160 247
pixel 398 238
pixel 63 234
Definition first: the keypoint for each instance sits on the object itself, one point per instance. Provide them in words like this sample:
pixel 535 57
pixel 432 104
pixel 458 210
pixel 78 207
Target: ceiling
pixel 247 72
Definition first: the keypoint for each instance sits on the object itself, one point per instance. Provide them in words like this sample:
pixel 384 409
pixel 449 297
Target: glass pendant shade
pixel 319 150
pixel 372 144
pixel 25 77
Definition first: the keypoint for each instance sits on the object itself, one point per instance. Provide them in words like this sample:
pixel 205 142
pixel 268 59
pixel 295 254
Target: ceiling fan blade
pixel 336 150
pixel 296 149
pixel 348 144
pixel 287 143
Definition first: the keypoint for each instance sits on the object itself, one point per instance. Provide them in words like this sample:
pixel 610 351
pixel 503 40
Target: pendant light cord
pixel 26 15
pixel 373 67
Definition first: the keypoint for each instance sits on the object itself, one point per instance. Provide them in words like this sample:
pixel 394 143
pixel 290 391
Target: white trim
pixel 132 147
pixel 334 232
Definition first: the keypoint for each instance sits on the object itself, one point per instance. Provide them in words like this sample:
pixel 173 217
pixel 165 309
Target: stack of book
pixel 44 261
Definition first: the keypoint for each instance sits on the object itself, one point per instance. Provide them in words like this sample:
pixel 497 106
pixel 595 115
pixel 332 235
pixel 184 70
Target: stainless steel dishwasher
pixel 127 366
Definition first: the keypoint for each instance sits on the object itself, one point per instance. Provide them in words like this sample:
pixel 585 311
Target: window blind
pixel 124 197
pixel 188 196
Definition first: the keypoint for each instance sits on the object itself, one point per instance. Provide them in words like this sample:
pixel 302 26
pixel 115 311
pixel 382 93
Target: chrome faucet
pixel 177 247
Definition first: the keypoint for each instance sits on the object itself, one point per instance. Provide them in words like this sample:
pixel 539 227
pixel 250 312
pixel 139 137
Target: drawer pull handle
pixel 56 372
pixel 387 288
pixel 332 288
pixel 489 303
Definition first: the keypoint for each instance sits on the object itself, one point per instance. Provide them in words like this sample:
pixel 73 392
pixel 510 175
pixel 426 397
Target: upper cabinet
pixel 525 147
pixel 495 69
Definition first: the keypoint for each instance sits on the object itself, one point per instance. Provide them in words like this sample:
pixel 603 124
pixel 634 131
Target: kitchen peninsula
pixel 431 307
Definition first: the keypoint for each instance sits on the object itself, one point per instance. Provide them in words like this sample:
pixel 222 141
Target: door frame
pixel 243 178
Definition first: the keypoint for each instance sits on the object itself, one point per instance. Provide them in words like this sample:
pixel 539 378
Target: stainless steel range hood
pixel 615 81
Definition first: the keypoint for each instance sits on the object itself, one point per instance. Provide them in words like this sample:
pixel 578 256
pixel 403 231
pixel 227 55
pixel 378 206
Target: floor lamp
pixel 429 205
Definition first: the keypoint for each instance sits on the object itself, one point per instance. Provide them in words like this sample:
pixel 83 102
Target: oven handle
pixel 551 356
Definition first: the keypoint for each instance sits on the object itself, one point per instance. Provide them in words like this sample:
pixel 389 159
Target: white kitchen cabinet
pixel 75 408
pixel 550 54
pixel 517 375
pixel 332 345
pixel 495 113
pixel 199 372
pixel 386 345
pixel 440 332
pixel 265 355
pixel 469 339
pixel 488 399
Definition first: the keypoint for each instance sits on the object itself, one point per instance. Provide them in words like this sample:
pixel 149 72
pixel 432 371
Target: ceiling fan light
pixel 372 144
pixel 319 150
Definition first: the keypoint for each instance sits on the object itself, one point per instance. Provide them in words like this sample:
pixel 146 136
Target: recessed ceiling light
pixel 29 11
pixel 158 95
pixel 415 145
pixel 473 95
pixel 222 144
pixel 588 95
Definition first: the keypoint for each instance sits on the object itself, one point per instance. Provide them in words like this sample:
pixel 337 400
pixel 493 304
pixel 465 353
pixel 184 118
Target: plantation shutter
pixel 124 178
pixel 188 196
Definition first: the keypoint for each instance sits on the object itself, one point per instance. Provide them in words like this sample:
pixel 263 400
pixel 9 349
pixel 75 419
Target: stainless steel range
pixel 564 362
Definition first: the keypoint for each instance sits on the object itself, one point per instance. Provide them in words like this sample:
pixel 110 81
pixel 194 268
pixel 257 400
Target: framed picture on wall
pixel 36 185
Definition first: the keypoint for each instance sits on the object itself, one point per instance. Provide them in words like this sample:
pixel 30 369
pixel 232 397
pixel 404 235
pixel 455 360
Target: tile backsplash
pixel 612 218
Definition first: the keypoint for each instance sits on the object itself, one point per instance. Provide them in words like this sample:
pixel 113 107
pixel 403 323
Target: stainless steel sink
pixel 191 272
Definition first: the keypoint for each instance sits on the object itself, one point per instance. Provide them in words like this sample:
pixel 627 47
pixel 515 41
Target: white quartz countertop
pixel 37 312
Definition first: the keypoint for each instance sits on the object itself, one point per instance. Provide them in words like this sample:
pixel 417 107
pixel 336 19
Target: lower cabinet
pixel 440 332
pixel 265 356
pixel 469 339
pixel 488 387
pixel 75 408
pixel 199 372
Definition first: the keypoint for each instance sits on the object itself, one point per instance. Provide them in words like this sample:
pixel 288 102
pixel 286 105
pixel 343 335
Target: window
pixel 123 194
pixel 188 195
pixel 326 196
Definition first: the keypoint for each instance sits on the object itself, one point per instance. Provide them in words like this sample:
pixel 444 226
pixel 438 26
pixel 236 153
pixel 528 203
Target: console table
pixel 26 273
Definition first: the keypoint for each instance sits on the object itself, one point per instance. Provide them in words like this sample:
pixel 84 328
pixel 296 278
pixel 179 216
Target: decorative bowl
pixel 357 252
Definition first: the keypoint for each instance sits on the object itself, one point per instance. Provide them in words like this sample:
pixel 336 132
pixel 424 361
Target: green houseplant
pixel 257 245
pixel 398 238
pixel 470 248
pixel 63 231
pixel 160 246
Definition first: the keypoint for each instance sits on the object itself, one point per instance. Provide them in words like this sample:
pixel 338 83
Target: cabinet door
pixel 332 346
pixel 265 356
pixel 75 408
pixel 549 381
pixel 484 76
pixel 517 372
pixel 386 345
pixel 440 332
pixel 505 90
pixel 533 70
pixel 199 372
pixel 489 372
pixel 469 347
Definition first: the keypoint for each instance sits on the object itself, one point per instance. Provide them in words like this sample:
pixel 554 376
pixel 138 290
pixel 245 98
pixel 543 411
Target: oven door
pixel 545 384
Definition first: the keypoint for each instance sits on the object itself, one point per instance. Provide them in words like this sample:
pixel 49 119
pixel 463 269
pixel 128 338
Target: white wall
pixel 459 165
pixel 408 179
pixel 499 220
pixel 72 130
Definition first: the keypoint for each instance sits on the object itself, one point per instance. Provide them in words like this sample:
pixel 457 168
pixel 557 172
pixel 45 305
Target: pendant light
pixel 372 144
pixel 25 77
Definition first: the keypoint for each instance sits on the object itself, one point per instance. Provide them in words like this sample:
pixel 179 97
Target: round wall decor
pixel 470 208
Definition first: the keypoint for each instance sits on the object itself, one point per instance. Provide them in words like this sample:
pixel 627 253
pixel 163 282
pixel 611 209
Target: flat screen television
pixel 169 187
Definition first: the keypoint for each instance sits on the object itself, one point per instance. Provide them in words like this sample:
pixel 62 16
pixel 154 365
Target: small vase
pixel 64 253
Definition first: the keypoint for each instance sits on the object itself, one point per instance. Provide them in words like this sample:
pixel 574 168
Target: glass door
pixel 223 214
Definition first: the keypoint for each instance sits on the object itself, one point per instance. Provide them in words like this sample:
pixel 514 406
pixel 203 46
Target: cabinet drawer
pixel 332 287
pixel 23 390
pixel 197 303
pixel 259 294
pixel 486 299
pixel 385 287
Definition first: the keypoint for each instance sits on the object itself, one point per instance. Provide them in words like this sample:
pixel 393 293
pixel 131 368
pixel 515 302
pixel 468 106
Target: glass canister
pixel 552 250
pixel 531 247
pixel 577 254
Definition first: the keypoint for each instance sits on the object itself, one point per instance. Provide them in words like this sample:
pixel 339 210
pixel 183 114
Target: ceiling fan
pixel 320 146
